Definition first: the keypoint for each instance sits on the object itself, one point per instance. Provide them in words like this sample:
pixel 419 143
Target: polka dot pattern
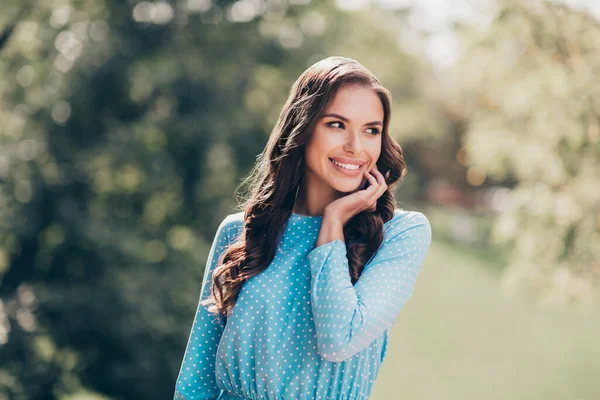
pixel 300 329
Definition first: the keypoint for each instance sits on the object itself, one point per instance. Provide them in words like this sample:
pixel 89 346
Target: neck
pixel 313 196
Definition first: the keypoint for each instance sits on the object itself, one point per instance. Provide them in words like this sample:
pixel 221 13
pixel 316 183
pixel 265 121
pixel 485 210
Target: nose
pixel 353 144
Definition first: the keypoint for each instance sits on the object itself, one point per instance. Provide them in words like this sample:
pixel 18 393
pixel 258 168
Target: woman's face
pixel 349 131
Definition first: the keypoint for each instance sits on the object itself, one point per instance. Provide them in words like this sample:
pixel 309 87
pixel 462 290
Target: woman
pixel 319 261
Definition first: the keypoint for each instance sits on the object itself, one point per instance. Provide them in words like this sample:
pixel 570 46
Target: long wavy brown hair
pixel 275 179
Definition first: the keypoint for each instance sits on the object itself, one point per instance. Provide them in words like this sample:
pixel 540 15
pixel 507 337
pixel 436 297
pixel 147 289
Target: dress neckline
pixel 302 216
pixel 303 228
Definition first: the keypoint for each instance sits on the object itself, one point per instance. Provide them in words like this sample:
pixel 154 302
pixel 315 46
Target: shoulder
pixel 405 222
pixel 232 225
pixel 234 219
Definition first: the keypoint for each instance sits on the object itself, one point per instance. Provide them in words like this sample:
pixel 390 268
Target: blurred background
pixel 126 127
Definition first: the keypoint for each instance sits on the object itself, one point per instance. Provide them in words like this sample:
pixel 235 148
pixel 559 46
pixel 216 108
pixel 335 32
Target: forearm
pixel 334 301
pixel 348 317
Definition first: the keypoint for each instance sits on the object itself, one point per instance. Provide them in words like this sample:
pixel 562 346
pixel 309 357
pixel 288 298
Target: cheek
pixel 374 151
pixel 375 155
pixel 318 150
pixel 314 158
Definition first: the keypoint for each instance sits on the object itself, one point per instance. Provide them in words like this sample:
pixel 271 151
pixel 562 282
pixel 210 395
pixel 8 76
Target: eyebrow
pixel 347 120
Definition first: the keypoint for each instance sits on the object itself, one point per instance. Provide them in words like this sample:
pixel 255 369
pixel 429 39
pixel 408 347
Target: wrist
pixel 331 229
pixel 332 217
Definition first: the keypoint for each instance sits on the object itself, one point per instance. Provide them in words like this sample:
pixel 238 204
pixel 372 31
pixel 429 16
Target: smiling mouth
pixel 349 169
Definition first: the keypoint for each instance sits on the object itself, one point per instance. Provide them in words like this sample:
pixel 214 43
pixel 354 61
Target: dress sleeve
pixel 349 318
pixel 197 378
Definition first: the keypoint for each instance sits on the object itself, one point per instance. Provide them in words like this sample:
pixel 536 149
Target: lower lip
pixel 347 172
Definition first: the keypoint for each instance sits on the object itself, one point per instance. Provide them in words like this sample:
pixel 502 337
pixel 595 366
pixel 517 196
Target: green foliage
pixel 126 129
pixel 527 88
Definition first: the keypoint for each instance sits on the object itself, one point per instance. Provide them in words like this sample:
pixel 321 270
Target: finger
pixel 371 193
pixel 372 180
pixel 379 176
pixel 381 185
pixel 375 169
pixel 381 182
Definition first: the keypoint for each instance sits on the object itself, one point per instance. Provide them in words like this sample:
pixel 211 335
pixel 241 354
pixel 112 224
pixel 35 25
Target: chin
pixel 345 187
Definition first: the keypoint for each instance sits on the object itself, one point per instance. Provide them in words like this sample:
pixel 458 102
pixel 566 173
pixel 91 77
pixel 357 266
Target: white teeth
pixel 347 166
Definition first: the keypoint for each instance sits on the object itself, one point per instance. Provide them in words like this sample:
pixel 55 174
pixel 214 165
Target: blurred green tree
pixel 527 93
pixel 126 129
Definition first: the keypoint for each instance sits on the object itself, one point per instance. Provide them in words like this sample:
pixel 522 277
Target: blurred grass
pixel 460 338
pixel 474 227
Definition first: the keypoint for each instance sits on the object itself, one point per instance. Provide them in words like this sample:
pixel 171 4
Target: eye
pixel 375 130
pixel 336 122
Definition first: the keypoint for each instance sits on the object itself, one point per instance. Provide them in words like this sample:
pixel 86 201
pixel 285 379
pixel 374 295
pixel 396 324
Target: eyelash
pixel 376 132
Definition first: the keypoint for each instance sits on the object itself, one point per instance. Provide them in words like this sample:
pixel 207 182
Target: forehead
pixel 356 103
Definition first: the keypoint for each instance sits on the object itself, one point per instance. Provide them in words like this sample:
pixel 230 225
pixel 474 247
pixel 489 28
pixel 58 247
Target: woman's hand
pixel 344 208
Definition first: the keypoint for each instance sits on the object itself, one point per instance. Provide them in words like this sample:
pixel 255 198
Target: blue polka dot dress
pixel 300 330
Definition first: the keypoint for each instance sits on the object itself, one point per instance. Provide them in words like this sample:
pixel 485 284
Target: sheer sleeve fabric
pixel 197 378
pixel 349 318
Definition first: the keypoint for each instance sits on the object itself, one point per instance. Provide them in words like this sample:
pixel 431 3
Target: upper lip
pixel 348 161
